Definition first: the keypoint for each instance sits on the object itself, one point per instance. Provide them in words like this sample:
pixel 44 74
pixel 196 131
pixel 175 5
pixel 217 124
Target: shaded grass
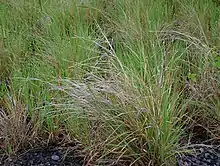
pixel 127 79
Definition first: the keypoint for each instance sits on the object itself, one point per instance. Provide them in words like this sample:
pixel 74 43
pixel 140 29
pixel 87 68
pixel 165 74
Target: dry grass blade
pixel 15 126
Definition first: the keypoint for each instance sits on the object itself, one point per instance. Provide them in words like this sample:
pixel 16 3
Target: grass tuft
pixel 133 82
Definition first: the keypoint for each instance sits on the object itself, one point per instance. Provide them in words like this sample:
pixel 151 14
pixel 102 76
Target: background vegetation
pixel 134 82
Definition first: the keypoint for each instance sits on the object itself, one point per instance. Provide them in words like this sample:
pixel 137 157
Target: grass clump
pixel 129 80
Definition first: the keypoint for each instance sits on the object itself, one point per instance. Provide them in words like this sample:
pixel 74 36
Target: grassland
pixel 131 81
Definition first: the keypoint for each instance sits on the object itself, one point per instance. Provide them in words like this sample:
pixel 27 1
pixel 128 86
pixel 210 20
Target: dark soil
pixel 200 155
pixel 201 149
pixel 43 157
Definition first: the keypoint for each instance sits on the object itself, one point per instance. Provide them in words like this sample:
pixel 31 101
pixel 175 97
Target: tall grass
pixel 127 79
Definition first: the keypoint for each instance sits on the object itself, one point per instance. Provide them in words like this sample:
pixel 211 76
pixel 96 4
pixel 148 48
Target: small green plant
pixel 217 62
pixel 192 77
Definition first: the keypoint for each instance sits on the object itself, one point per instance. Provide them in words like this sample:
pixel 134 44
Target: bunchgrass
pixel 129 80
